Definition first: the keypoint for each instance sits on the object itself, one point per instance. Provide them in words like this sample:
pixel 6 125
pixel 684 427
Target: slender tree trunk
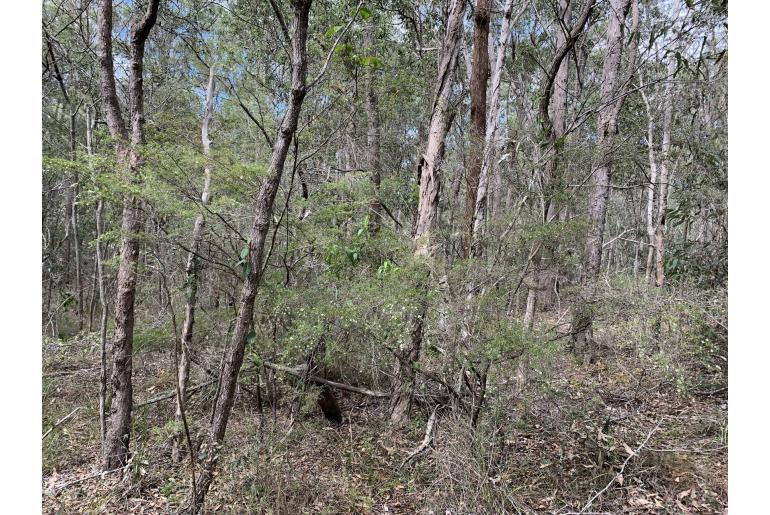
pixel 102 325
pixel 478 87
pixel 99 281
pixel 554 122
pixel 118 431
pixel 373 129
pixel 69 192
pixel 492 126
pixel 191 270
pixel 233 357
pixel 663 188
pixel 582 325
pixel 92 300
pixel 76 247
pixel 650 187
pixel 427 211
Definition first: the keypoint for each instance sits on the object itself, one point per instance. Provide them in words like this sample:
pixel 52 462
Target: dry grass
pixel 547 450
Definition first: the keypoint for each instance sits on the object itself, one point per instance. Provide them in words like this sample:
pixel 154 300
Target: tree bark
pixel 650 187
pixel 118 431
pixel 663 188
pixel 233 357
pixel 493 124
pixel 192 268
pixel 478 87
pixel 612 84
pixel 99 258
pixel 427 211
pixel 373 129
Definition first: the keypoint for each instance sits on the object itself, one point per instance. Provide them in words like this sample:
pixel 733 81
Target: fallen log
pixel 298 372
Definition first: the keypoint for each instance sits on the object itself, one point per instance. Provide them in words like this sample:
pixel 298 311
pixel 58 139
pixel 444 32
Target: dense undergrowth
pixel 648 421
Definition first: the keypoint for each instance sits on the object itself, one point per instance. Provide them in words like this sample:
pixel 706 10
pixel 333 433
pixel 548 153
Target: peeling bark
pixel 427 211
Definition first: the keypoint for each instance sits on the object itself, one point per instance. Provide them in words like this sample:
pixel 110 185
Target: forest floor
pixel 612 428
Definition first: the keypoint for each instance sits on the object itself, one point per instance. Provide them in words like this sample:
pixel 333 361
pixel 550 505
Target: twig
pixel 427 441
pixel 61 421
pixel 190 391
pixel 622 467
pixel 333 48
pixel 69 372
pixel 618 237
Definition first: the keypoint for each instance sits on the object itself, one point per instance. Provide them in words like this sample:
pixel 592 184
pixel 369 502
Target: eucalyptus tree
pixel 429 169
pixel 612 96
pixel 478 90
pixel 296 39
pixel 127 148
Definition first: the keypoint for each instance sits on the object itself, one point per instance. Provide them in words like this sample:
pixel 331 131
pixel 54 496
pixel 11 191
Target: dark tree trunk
pixel 478 87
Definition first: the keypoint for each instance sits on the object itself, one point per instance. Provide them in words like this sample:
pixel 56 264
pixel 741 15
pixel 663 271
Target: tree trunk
pixel 118 430
pixel 233 357
pixel 611 85
pixel 76 247
pixel 427 211
pixel 492 125
pixel 102 325
pixel 663 189
pixel 373 129
pixel 478 87
pixel 553 117
pixel 191 271
pixel 650 187
pixel 99 258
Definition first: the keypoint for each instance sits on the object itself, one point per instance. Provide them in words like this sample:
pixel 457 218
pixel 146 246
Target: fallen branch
pixel 622 467
pixel 61 373
pixel 172 394
pixel 298 372
pixel 190 391
pixel 62 486
pixel 427 441
pixel 708 393
pixel 61 421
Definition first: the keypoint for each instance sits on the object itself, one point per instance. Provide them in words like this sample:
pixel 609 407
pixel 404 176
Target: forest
pixel 384 256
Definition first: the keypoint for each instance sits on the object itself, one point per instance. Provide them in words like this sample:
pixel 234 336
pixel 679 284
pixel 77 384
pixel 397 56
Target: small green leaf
pixel 333 31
